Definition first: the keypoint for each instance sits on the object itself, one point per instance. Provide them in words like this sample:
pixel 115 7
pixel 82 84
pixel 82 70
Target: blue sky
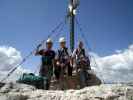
pixel 107 24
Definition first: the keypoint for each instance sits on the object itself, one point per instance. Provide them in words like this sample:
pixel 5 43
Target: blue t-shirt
pixel 47 56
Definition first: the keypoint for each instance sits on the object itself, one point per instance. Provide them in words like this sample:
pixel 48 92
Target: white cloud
pixel 113 68
pixel 117 67
pixel 9 58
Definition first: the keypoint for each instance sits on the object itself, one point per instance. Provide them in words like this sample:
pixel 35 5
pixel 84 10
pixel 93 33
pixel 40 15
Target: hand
pixel 78 70
pixel 57 63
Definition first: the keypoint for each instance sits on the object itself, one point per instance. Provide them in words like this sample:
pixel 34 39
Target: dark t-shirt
pixel 47 56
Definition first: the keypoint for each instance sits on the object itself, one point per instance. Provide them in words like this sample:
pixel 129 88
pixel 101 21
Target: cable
pixel 31 53
pixel 56 35
pixel 84 37
pixel 81 30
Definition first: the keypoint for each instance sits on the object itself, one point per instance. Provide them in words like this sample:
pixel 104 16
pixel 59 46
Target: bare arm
pixel 38 51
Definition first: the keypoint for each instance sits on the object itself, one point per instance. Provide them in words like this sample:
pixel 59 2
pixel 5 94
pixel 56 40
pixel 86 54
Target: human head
pixel 49 43
pixel 80 44
pixel 62 42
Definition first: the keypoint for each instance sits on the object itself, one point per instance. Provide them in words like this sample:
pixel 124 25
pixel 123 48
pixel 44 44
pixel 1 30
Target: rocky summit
pixel 16 91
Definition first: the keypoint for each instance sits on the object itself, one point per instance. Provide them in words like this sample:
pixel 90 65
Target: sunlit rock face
pixel 15 91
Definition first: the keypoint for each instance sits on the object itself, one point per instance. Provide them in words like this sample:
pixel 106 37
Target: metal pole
pixel 72 24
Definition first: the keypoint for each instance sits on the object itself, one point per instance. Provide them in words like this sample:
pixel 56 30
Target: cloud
pixel 117 67
pixel 9 58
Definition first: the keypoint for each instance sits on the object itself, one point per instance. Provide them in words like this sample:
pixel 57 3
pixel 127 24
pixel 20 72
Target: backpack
pixel 31 79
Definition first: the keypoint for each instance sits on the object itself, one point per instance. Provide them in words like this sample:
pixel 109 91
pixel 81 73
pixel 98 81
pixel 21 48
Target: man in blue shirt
pixel 47 61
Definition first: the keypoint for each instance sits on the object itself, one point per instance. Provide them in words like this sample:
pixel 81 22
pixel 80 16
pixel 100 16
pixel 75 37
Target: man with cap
pixel 82 64
pixel 47 61
pixel 63 62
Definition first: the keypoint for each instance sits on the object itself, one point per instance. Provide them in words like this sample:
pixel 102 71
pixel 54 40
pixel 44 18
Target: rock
pixel 15 91
pixel 13 96
pixel 93 80
pixel 2 84
pixel 16 87
pixel 72 82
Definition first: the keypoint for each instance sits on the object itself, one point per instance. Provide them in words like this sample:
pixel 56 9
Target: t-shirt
pixel 47 56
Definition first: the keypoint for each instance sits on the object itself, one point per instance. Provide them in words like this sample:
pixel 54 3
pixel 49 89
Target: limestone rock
pixel 16 87
pixel 15 91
